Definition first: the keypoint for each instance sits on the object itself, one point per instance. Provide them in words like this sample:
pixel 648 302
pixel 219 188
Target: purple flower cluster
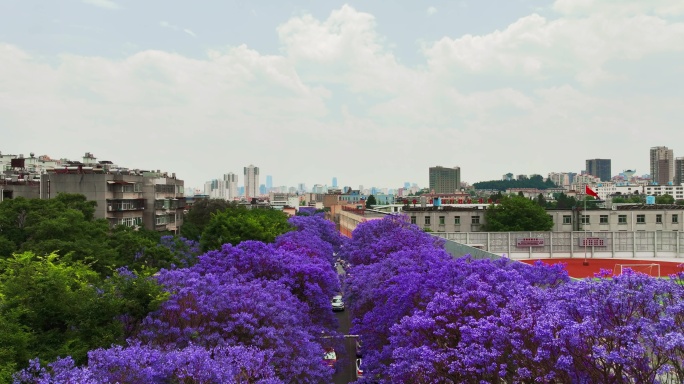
pixel 425 317
pixel 142 364
pixel 250 313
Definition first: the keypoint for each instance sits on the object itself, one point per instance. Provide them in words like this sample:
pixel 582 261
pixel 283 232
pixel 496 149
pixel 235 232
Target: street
pixel 346 358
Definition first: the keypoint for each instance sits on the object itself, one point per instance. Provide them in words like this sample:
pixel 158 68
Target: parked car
pixel 337 303
pixel 358 348
pixel 330 357
pixel 359 369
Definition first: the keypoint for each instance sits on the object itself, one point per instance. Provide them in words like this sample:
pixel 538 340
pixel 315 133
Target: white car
pixel 337 303
pixel 359 369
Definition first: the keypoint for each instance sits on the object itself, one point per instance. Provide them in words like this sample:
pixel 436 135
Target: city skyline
pixel 311 90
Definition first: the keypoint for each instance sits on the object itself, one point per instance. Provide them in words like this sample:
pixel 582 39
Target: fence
pixel 622 244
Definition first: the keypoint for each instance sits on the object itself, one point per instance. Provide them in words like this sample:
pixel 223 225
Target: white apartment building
pixel 251 181
pixel 607 189
pixel 231 181
pixel 561 179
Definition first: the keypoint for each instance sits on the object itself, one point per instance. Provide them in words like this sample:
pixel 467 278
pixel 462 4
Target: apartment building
pixel 445 180
pixel 251 174
pixel 662 164
pixel 599 168
pixel 153 200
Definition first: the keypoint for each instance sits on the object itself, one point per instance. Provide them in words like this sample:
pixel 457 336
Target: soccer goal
pixel 649 269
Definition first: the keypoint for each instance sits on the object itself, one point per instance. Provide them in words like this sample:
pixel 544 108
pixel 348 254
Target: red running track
pixel 577 269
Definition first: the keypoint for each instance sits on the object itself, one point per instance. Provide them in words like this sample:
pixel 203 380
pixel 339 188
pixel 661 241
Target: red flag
pixel 589 192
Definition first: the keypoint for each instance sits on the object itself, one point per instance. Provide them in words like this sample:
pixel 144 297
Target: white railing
pixel 600 244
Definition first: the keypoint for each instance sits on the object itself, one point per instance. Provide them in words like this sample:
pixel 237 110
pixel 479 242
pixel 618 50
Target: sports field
pixel 577 269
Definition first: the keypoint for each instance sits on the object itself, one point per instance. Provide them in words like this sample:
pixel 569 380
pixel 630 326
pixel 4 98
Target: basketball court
pixel 577 269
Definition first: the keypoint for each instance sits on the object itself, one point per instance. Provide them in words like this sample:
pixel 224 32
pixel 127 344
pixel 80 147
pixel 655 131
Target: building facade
pixel 631 217
pixel 153 200
pixel 679 171
pixel 251 181
pixel 445 180
pixel 599 168
pixel 231 181
pixel 662 165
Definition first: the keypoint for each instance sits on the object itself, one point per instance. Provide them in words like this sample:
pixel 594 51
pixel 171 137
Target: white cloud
pixel 337 94
pixel 189 32
pixel 538 48
pixel 108 4
pixel 431 10
pixel 619 8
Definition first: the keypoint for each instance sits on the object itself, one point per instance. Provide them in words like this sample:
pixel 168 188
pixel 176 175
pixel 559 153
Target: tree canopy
pixel 234 225
pixel 370 202
pixel 517 213
pixel 199 216
pixel 536 181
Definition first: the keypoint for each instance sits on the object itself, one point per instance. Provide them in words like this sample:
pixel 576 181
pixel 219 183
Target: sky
pixel 373 93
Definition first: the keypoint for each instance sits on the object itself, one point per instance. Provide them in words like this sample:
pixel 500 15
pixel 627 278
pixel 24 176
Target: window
pixel 427 220
pixel 603 219
pixel 441 220
pixel 131 221
pixel 476 219
pixel 622 219
pixel 659 219
pixel 567 219
pixel 641 219
pixel 413 219
pixel 137 187
pixel 162 219
pixel 457 220
pixel 675 218
pixel 585 219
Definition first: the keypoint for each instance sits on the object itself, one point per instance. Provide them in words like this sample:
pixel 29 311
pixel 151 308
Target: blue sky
pixel 373 93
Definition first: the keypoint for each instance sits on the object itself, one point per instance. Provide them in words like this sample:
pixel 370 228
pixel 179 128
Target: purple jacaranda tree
pixel 624 329
pixel 404 274
pixel 144 364
pixel 213 310
pixel 480 331
pixel 301 268
pixel 376 239
pixel 320 228
pixel 185 251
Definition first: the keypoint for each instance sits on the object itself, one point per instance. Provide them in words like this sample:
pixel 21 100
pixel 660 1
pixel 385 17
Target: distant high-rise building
pixel 231 181
pixel 599 168
pixel 679 171
pixel 662 165
pixel 334 182
pixel 262 189
pixel 301 187
pixel 251 181
pixel 269 183
pixel 445 180
pixel 407 185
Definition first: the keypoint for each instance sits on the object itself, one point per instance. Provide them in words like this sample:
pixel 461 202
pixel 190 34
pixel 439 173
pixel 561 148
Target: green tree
pixel 199 216
pixel 52 308
pixel 58 306
pixel 665 199
pixel 370 201
pixel 238 224
pixel 517 214
pixel 541 200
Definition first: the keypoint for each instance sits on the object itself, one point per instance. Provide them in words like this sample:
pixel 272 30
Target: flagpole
pixel 584 224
